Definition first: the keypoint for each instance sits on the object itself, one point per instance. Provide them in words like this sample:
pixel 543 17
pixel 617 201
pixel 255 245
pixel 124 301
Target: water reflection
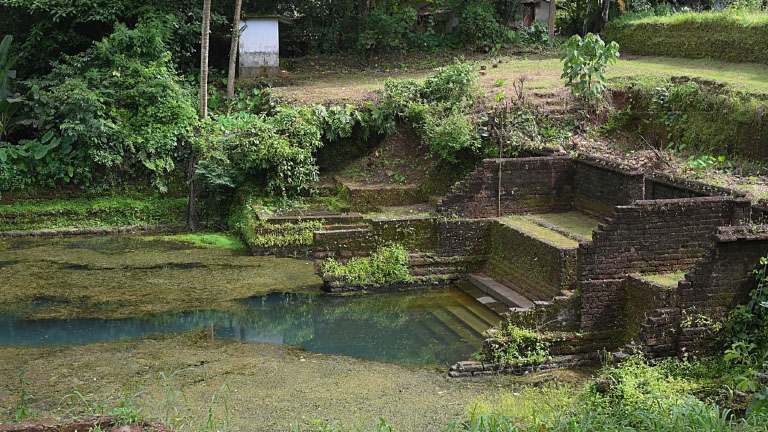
pixel 425 327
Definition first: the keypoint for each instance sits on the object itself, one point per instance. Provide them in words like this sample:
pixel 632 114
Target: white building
pixel 259 46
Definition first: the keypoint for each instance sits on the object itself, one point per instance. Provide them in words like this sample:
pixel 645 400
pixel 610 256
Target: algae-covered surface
pixel 120 277
pixel 663 279
pixel 539 232
pixel 265 387
pixel 572 221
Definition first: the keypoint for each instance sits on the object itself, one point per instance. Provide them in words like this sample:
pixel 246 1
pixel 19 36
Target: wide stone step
pixel 498 291
pixel 425 271
pixel 464 314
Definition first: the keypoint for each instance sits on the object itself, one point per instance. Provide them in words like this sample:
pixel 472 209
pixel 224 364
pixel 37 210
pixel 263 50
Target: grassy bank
pixel 258 387
pixel 692 115
pixel 91 212
pixel 729 36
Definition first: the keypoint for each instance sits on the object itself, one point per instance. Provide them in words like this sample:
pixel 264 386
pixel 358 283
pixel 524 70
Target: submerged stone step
pixel 502 293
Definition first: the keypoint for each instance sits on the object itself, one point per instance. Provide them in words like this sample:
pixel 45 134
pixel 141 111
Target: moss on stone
pixel 664 279
pixel 539 231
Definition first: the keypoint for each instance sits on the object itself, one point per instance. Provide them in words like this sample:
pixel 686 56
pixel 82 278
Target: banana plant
pixel 9 105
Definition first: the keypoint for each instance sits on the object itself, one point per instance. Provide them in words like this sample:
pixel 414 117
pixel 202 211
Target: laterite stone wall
pixel 664 186
pixel 528 185
pixel 600 185
pixel 724 279
pixel 537 269
pixel 647 237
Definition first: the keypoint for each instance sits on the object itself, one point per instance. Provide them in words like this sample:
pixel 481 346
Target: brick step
pixel 422 259
pixel 327 218
pixel 498 291
pixel 344 227
pixel 427 271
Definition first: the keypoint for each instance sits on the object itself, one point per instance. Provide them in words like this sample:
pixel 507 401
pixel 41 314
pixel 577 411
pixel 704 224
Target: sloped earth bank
pixel 264 387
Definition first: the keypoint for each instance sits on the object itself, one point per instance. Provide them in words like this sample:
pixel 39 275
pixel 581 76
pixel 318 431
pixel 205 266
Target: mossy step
pixel 466 316
pixel 539 232
pixel 344 227
pixel 459 327
pixel 498 291
pixel 483 300
pixel 667 280
pixel 328 218
pixel 427 271
pixel 576 225
pixel 480 311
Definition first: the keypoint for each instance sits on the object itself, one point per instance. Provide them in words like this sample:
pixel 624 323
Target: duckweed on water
pixel 121 277
pixel 269 386
pixel 221 240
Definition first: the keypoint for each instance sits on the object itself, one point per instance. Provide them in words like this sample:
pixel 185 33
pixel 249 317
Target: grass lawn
pixel 542 73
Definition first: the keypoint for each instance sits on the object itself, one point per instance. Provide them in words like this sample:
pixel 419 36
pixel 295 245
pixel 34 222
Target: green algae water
pixel 83 291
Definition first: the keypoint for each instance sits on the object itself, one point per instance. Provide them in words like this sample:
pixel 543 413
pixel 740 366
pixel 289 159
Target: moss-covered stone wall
pixel 600 185
pixel 698 116
pixel 647 237
pixel 537 269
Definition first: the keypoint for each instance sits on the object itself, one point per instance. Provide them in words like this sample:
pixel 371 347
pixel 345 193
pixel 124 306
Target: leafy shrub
pixel 117 111
pixel 478 25
pixel 584 65
pixel 452 84
pixel 517 346
pixel 447 136
pixel 438 108
pixel 275 153
pixel 536 34
pixel 388 265
pixel 746 334
pixel 387 32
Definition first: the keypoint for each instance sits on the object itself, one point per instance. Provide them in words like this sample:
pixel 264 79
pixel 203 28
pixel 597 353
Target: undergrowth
pixel 516 346
pixel 109 211
pixel 389 264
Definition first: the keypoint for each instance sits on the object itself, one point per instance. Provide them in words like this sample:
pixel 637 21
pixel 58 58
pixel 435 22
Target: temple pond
pixel 89 290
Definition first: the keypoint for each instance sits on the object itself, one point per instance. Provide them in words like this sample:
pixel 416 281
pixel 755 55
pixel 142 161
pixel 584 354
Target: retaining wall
pixel 538 269
pixel 647 237
pixel 601 184
pixel 528 185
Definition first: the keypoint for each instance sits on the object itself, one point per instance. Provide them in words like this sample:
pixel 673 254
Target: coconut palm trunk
pixel 191 214
pixel 233 49
pixel 552 14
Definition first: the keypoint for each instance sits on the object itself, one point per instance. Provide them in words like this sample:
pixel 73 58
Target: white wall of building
pixel 259 47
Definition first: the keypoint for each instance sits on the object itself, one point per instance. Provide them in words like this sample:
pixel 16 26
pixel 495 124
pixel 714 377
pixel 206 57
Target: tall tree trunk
pixel 552 13
pixel 191 215
pixel 204 59
pixel 586 16
pixel 606 10
pixel 233 49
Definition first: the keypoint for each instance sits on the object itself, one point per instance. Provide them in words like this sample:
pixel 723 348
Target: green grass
pixel 219 240
pixel 741 18
pixel 664 279
pixel 575 222
pixel 539 231
pixel 729 35
pixel 96 212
